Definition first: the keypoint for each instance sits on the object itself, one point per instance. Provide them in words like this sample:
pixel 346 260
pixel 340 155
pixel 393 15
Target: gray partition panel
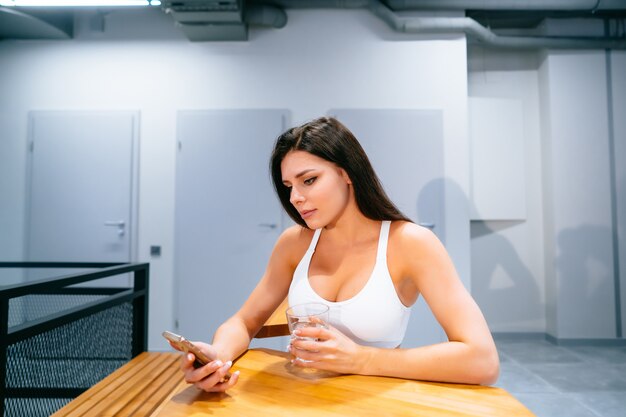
pixel 227 215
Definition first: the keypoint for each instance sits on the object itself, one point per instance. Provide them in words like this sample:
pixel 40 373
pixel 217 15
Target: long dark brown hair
pixel 328 139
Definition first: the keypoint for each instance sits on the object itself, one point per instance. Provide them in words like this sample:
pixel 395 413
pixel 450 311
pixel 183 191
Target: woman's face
pixel 319 188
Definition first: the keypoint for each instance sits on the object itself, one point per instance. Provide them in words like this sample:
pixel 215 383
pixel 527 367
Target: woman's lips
pixel 307 213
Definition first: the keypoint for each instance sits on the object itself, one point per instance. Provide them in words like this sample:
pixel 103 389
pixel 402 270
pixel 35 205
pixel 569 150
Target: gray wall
pixel 142 62
pixel 553 271
pixel 618 94
pixel 576 171
pixel 507 253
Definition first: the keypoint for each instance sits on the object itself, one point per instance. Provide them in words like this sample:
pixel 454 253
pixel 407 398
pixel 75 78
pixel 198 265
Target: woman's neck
pixel 352 227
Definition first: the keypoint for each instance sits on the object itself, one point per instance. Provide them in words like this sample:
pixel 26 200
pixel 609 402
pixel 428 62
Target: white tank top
pixel 373 317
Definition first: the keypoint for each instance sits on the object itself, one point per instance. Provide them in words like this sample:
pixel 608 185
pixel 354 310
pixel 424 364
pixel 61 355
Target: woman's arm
pixel 469 356
pixel 233 337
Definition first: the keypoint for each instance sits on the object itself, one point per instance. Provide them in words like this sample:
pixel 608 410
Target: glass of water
pixel 306 315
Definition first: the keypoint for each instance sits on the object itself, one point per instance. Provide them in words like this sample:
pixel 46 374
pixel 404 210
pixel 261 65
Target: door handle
pixel 268 225
pixel 120 224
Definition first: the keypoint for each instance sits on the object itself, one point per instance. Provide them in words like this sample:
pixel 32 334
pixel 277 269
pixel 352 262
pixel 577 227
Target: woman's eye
pixel 310 181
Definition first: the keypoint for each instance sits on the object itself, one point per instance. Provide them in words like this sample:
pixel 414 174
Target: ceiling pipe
pixel 566 5
pixel 469 26
pixel 476 31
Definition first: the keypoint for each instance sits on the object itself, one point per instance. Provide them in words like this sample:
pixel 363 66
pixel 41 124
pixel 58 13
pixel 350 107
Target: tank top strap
pixel 381 255
pixel 316 237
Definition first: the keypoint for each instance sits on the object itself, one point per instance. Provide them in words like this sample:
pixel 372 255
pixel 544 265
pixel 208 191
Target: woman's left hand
pixel 330 350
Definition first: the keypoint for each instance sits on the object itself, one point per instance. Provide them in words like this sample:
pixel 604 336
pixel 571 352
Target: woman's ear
pixel 345 176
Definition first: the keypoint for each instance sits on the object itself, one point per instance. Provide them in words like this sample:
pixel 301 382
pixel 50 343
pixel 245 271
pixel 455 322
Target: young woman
pixel 353 250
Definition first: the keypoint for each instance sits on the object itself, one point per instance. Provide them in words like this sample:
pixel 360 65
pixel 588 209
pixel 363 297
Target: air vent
pixel 209 20
pixel 202 5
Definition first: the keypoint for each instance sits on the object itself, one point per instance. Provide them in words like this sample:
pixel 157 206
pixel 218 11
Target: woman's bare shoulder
pixel 294 241
pixel 407 237
pixel 297 233
pixel 410 233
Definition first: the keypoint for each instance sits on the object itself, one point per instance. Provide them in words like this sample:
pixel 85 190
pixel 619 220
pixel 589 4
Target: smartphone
pixel 186 346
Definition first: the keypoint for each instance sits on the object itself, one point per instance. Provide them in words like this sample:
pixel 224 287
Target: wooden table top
pixel 270 385
pixel 276 325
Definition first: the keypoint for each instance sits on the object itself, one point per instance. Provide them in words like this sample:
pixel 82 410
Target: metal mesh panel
pixel 33 407
pixel 33 307
pixel 76 355
pixel 46 371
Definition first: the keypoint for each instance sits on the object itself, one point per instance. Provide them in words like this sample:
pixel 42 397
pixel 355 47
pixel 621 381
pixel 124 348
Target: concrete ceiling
pixel 221 20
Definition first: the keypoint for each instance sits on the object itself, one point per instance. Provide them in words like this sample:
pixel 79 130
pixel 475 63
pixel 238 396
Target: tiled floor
pixel 555 381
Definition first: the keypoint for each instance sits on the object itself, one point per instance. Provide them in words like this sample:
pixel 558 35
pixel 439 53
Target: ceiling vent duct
pixel 209 20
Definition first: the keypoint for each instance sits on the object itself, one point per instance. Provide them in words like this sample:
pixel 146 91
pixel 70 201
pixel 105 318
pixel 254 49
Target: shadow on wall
pixel 502 284
pixel 586 273
pixel 585 282
pixel 430 207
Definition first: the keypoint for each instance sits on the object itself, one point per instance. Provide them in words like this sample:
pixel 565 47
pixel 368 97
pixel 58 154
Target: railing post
pixel 4 330
pixel 140 311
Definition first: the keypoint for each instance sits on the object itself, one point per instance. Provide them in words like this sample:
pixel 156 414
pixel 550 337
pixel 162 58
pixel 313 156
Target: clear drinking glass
pixel 306 315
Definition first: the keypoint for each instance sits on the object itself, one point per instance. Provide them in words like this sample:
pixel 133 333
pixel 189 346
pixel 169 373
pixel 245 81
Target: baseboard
pixel 585 342
pixel 519 336
pixel 533 336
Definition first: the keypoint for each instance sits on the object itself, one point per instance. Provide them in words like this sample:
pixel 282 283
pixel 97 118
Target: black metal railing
pixel 58 339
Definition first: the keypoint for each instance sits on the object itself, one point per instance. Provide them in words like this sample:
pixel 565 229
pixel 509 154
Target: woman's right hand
pixel 212 377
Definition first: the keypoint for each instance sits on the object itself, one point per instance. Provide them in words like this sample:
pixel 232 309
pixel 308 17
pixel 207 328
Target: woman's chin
pixel 313 224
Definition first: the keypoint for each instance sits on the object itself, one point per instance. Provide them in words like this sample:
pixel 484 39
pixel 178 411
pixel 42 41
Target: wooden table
pixel 276 325
pixel 151 385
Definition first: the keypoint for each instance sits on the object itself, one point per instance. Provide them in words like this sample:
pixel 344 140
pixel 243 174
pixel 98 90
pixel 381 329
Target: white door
pixel 81 187
pixel 405 148
pixel 227 214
